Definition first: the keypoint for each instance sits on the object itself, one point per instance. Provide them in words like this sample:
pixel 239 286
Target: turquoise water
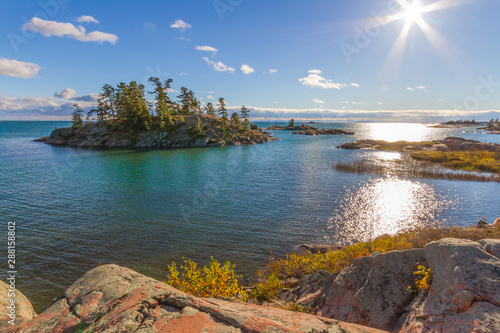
pixel 79 208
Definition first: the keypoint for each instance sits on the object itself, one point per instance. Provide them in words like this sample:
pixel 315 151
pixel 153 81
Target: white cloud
pixel 66 93
pixel 246 69
pixel 219 66
pixel 87 19
pixel 206 49
pixel 183 73
pixel 409 88
pixel 30 107
pixel 273 71
pixel 315 80
pixel 318 101
pixel 421 87
pixel 53 28
pixel 380 103
pixel 355 85
pixel 11 67
pixel 385 87
pixel 210 97
pixel 180 24
pixel 344 102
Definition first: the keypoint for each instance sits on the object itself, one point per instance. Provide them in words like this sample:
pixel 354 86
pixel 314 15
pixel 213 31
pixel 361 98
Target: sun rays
pixel 412 14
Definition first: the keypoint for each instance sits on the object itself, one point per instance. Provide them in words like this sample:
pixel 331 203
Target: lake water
pixel 78 208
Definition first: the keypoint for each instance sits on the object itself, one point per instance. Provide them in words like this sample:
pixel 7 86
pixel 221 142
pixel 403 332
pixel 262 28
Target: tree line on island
pixel 127 104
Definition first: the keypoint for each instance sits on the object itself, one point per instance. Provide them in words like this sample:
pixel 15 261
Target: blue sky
pixel 329 60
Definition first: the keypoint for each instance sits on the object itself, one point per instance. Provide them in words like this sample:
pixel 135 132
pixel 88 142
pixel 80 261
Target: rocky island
pixel 124 118
pixel 194 131
pixel 307 130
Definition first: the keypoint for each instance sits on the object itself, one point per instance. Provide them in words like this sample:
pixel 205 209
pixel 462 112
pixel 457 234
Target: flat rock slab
pixel 111 298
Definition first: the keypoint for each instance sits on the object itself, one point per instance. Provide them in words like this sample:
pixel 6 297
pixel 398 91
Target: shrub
pixel 277 272
pixel 213 280
pixel 423 278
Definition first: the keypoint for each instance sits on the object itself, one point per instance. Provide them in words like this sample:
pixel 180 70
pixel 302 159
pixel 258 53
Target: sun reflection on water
pixel 398 131
pixel 383 206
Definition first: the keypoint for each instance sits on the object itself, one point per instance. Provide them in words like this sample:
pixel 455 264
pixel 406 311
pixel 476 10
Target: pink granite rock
pixel 110 298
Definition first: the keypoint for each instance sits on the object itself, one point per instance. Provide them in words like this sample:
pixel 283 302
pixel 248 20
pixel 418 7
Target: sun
pixel 413 12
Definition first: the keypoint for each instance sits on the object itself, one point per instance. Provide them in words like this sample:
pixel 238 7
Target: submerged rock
pixel 110 298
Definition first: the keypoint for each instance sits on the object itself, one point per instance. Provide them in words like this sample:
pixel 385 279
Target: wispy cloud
pixel 11 67
pixel 206 48
pixel 210 97
pixel 314 79
pixel 417 87
pixel 218 66
pixel 273 71
pixel 66 93
pixel 355 85
pixel 247 69
pixel 180 24
pixel 59 29
pixel 87 19
pixel 318 101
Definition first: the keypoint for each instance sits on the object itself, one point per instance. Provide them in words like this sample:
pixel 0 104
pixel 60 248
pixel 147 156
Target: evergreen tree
pixel 236 119
pixel 244 114
pixel 164 107
pixel 77 120
pixel 291 122
pixel 196 129
pixel 189 105
pixel 209 109
pixel 132 107
pixel 223 114
pixel 491 124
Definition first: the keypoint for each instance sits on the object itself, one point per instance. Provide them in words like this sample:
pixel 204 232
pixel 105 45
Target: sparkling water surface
pixel 78 208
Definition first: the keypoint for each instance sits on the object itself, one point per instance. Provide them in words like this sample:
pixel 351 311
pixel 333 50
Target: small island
pixel 428 158
pixel 125 118
pixel 307 130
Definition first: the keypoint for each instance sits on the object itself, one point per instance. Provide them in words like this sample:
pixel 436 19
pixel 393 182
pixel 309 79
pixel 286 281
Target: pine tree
pixel 244 114
pixel 223 114
pixel 196 129
pixel 236 119
pixel 164 107
pixel 209 109
pixel 189 105
pixel 77 117
pixel 132 107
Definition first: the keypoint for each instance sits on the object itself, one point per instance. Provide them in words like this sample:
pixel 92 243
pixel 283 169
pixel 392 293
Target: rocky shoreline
pixel 370 295
pixel 448 144
pixel 107 134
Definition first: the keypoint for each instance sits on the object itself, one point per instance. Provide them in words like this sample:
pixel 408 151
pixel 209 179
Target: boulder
pixel 339 299
pixel 492 246
pixel 465 292
pixel 312 291
pixel 111 298
pixel 23 308
pixel 373 290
